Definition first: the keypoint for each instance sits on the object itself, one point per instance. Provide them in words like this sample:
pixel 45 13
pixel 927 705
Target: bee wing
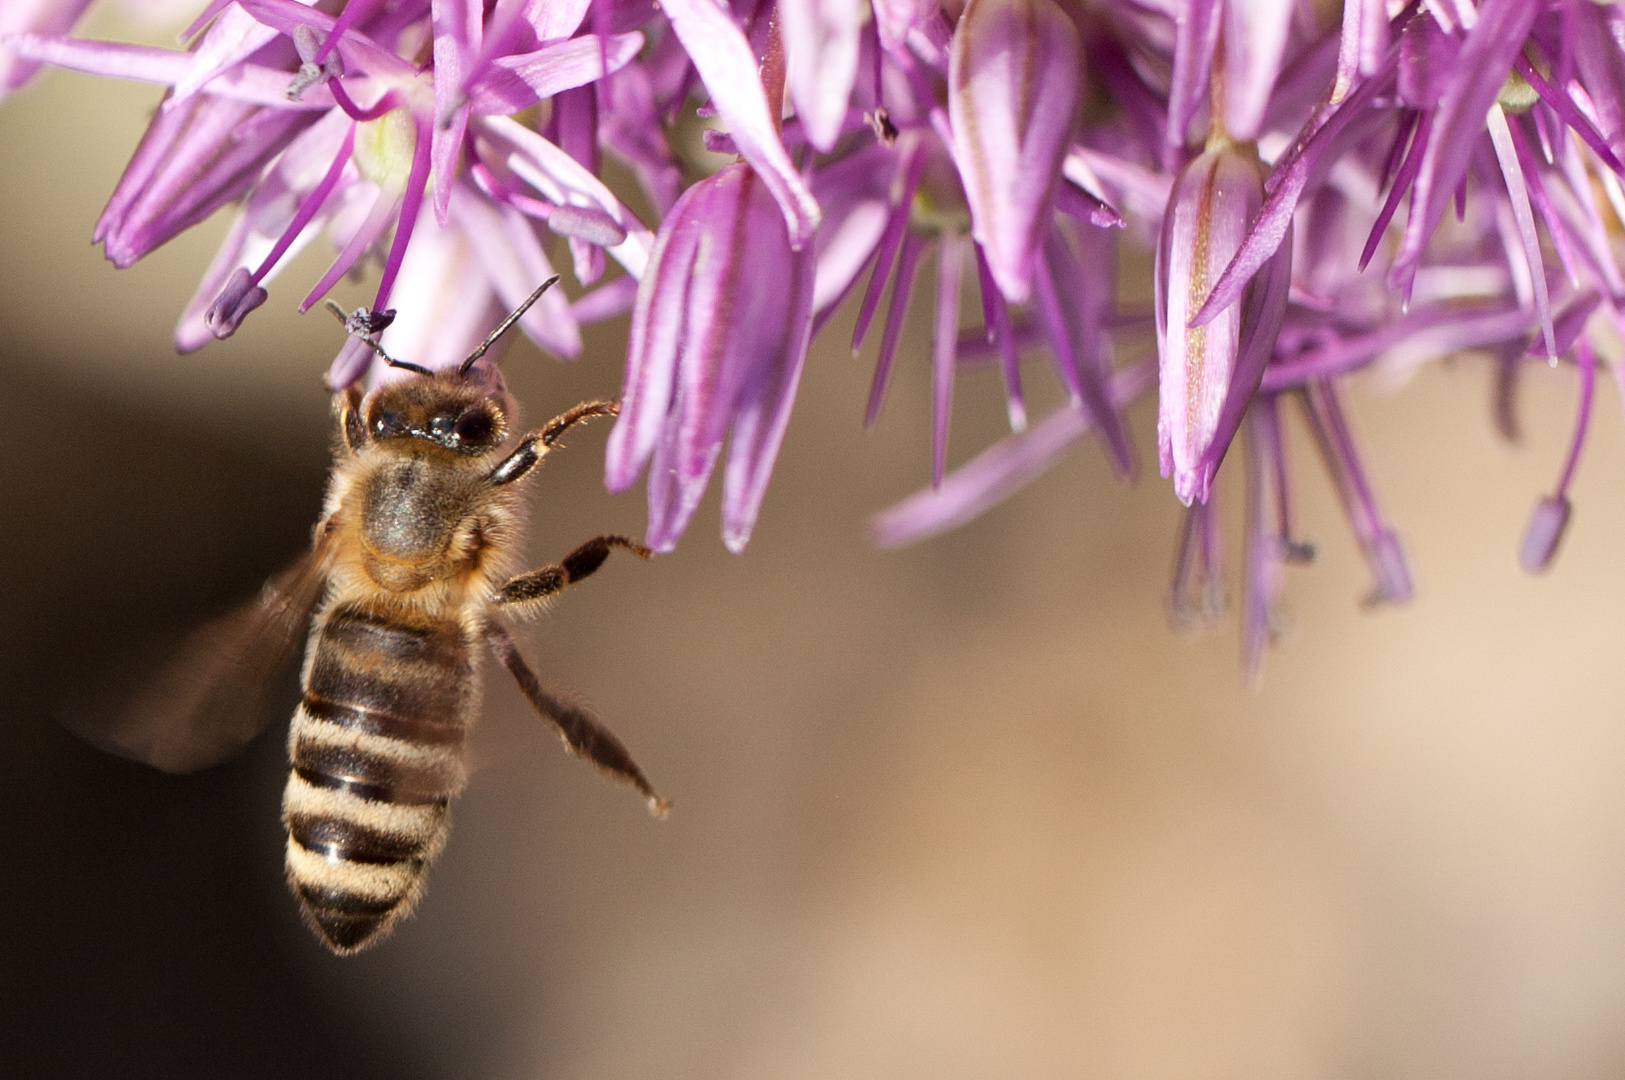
pixel 205 703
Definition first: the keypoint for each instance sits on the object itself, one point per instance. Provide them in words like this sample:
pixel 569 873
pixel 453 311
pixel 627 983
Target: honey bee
pixel 409 578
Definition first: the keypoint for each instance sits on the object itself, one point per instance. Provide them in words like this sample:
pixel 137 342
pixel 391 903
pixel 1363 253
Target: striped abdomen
pixel 377 752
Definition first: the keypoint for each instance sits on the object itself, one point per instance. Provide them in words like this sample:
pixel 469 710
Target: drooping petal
pixel 1254 43
pixel 518 82
pixel 653 345
pixel 1302 167
pixel 1196 34
pixel 1014 77
pixel 719 333
pixel 1518 194
pixel 1262 313
pixel 729 69
pixel 191 161
pixel 821 43
pixel 765 405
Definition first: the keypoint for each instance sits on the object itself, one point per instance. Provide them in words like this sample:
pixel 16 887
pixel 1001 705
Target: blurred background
pixel 968 809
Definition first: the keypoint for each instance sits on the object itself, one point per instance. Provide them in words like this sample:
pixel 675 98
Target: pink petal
pixel 1518 194
pixel 517 82
pixel 729 69
pixel 821 44
pixel 653 342
pixel 231 39
pixel 1014 79
pixel 1254 42
pixel 1196 35
pixel 564 181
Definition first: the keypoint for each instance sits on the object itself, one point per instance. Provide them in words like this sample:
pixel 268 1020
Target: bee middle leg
pixel 535 446
pixel 537 585
pixel 582 732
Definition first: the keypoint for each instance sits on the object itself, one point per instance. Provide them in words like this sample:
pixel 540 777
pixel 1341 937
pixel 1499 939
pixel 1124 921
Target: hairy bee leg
pixel 539 584
pixel 583 735
pixel 534 446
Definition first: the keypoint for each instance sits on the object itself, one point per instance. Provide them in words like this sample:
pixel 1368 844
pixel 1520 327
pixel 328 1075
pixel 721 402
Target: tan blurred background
pixel 967 809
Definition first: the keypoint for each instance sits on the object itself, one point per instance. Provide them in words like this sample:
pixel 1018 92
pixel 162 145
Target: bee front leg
pixel 584 736
pixel 535 446
pixel 529 589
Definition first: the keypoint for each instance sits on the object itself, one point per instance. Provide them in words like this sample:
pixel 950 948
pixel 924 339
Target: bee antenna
pixel 361 324
pixel 506 325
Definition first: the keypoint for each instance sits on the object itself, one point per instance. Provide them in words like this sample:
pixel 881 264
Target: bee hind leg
pixel 583 734
pixel 528 590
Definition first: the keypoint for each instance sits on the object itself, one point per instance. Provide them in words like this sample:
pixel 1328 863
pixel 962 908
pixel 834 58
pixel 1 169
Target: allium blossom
pixel 1322 191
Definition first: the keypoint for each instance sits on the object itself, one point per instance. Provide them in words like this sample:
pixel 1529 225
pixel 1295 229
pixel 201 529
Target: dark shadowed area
pixel 962 810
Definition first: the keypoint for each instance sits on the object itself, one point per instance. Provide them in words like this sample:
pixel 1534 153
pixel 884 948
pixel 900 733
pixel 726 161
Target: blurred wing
pixel 205 704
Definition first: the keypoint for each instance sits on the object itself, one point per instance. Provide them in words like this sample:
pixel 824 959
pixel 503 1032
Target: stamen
pixel 996 319
pixel 413 202
pixel 240 296
pixel 950 251
pixel 309 208
pixel 1379 544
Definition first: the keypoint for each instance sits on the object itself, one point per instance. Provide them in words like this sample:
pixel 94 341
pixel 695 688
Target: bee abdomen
pixel 376 749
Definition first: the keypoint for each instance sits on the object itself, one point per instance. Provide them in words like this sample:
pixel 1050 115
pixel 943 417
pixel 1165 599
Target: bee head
pixel 447 408
pixel 463 409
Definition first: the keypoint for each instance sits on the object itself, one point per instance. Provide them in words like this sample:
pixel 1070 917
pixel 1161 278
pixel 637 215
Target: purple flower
pixel 1321 196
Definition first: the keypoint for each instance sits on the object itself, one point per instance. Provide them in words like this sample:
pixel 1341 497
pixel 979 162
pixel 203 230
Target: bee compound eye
pixel 387 423
pixel 475 426
pixel 441 426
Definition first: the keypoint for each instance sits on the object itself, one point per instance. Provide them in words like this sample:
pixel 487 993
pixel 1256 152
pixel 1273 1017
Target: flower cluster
pixel 1262 149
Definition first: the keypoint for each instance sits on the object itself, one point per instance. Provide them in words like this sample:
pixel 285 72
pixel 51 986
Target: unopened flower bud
pixel 1014 80
pixel 1210 372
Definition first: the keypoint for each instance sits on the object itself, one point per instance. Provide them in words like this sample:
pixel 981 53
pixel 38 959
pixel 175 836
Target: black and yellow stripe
pixel 376 749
